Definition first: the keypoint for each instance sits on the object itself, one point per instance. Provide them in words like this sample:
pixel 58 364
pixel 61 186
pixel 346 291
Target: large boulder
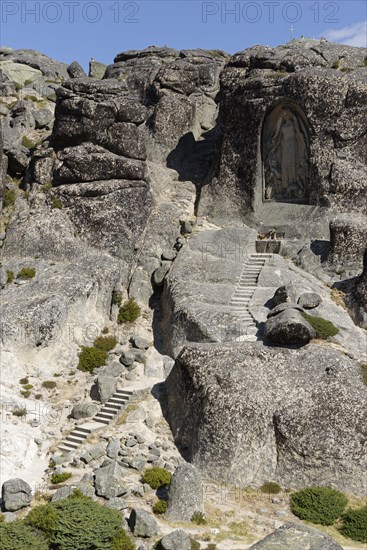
pixel 84 410
pixel 177 540
pixel 245 413
pixel 309 300
pixel 106 387
pixel 186 494
pixel 15 494
pixel 110 480
pixel 289 327
pixel 295 536
pixel 142 524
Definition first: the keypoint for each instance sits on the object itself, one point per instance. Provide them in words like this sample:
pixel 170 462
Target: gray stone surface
pixel 15 494
pixel 186 494
pixel 64 492
pixel 75 70
pixel 110 481
pixel 289 327
pixel 274 414
pixel 142 524
pixel 84 410
pixel 140 343
pixel 106 387
pixel 177 540
pixel 309 300
pixel 296 536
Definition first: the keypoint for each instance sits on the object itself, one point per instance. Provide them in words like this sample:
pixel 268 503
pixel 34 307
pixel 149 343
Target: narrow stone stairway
pixel 245 289
pixel 105 415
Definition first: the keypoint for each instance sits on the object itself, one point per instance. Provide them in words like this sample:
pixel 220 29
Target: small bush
pixel 25 393
pixel 42 517
pixel 198 518
pixel 2 518
pixel 91 358
pixel 60 478
pixel 105 343
pixel 10 276
pixel 17 535
pixel 354 524
pixel 157 477
pixel 160 507
pixel 23 381
pixel 57 203
pixel 38 396
pixel 27 386
pixel 323 328
pixel 47 187
pixel 29 143
pixel 19 411
pixel 122 541
pixel 363 372
pixel 49 384
pixel 195 545
pixel 9 197
pixel 270 488
pixel 26 273
pixel 129 312
pixel 105 330
pixel 321 505
pixel 116 297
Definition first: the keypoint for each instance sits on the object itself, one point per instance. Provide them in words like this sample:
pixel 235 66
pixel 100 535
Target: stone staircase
pixel 245 289
pixel 106 414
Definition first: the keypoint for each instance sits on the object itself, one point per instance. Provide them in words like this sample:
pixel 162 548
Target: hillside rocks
pixel 246 413
pixel 347 243
pixel 289 327
pixel 15 494
pixel 142 524
pixel 186 494
pixel 176 539
pixel 295 536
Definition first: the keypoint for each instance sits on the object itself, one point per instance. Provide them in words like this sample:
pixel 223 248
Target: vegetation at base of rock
pixel 321 505
pixel 60 478
pixel 57 203
pixel 129 312
pixel 47 187
pixel 25 393
pixel 24 381
pixel 19 411
pixel 323 328
pixel 2 518
pixel 270 488
pixel 160 507
pixel 49 384
pixel 363 373
pixel 354 524
pixel 26 273
pixel 10 276
pixel 157 477
pixel 91 358
pixel 79 522
pixel 105 330
pixel 195 545
pixel 198 518
pixel 29 143
pixel 116 297
pixel 9 197
pixel 17 534
pixel 105 343
pixel 28 386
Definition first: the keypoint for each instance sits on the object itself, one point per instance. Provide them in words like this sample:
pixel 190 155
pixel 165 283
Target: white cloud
pixel 354 35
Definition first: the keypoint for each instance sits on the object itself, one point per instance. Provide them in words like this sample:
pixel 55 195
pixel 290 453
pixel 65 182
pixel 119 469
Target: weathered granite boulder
pixel 289 327
pixel 357 299
pixel 110 480
pixel 64 492
pixel 75 70
pixel 142 524
pixel 296 536
pixel 246 413
pixel 287 293
pixel 347 243
pixel 186 494
pixel 177 540
pixel 84 410
pixel 106 387
pixel 15 494
pixel 283 307
pixel 309 300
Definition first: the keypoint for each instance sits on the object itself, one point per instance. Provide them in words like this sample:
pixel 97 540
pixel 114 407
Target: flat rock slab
pixel 292 536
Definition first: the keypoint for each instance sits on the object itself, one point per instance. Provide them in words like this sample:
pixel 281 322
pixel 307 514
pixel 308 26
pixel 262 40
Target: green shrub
pixel 10 276
pixel 198 518
pixel 23 381
pixel 29 143
pixel 27 386
pixel 49 384
pixel 26 273
pixel 354 524
pixel 129 312
pixel 160 507
pixel 321 505
pixel 2 518
pixel 57 203
pixel 9 197
pixel 116 297
pixel 363 372
pixel 91 358
pixel 60 478
pixel 19 411
pixel 47 187
pixel 270 488
pixel 105 343
pixel 195 545
pixel 323 328
pixel 157 477
pixel 17 535
pixel 81 524
pixel 105 330
pixel 25 393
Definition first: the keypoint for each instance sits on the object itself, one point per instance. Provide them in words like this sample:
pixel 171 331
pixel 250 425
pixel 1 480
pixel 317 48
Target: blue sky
pixel 70 30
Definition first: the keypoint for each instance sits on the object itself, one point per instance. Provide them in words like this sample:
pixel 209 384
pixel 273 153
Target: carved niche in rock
pixel 285 155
